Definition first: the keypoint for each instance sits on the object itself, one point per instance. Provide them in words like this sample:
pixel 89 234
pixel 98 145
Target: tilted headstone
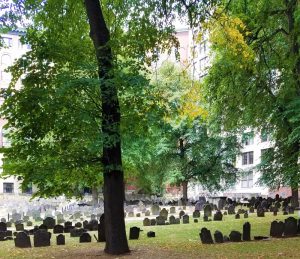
pixel 218 237
pixel 246 231
pixel 85 238
pixel 235 236
pixel 22 240
pixel 134 233
pixel 277 229
pixel 41 238
pixel 60 240
pixel 205 236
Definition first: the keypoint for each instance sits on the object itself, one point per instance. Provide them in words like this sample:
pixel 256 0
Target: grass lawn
pixel 174 241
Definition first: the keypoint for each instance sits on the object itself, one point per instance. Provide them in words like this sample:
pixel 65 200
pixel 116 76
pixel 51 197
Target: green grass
pixel 175 241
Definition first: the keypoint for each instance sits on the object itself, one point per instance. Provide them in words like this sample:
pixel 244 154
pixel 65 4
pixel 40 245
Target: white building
pixel 12 49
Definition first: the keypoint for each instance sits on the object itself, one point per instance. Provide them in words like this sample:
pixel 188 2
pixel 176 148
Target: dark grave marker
pixel 101 230
pixel 218 237
pixel 85 238
pixel 290 227
pixel 277 229
pixel 185 219
pixel 49 222
pixel 146 222
pixel 246 231
pixel 41 238
pixel 60 240
pixel 3 226
pixel 151 234
pixel 205 236
pixel 22 240
pixel 218 216
pixel 153 222
pixel 134 233
pixel 58 229
pixel 196 214
pixel 235 236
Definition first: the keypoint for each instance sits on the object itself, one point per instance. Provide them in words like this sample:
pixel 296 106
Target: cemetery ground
pixel 175 241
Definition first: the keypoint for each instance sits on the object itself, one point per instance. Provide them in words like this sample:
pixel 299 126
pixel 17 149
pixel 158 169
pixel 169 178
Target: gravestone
pixel 277 229
pixel 235 236
pixel 218 237
pixel 138 215
pixel 60 240
pixel 147 213
pixel 3 220
pixel 172 220
pixel 225 213
pixel 49 222
pixel 44 227
pixel 146 222
pixel 68 226
pixel 172 210
pixel 196 214
pixel 22 240
pixel 195 220
pixel 285 213
pixel 290 227
pixel 3 226
pixel 246 215
pixel 237 216
pixel 19 227
pixel 177 221
pixel 101 230
pixel 78 225
pixel 231 209
pixel 25 218
pixel 164 213
pixel 260 211
pixel 160 220
pixel 41 238
pixel 205 236
pixel 205 218
pixel 76 232
pixel 185 219
pixel 246 231
pixel 134 233
pixel 153 222
pixel 218 216
pixel 16 216
pixel 85 238
pixel 58 229
pixel 181 213
pixel 155 209
pixel 221 204
pixel 151 234
pixel 130 214
pixel 291 210
pixel 274 213
pixel 93 225
pixel 207 210
pixel 29 223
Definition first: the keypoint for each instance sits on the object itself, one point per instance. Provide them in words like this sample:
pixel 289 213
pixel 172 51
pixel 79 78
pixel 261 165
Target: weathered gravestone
pixel 181 213
pixel 260 211
pixel 58 229
pixel 22 240
pixel 246 231
pixel 177 221
pixel 3 226
pixel 49 222
pixel 68 226
pixel 19 227
pixel 155 209
pixel 185 219
pixel 160 220
pixel 146 222
pixel 153 222
pixel 196 214
pixel 85 238
pixel 218 237
pixel 277 229
pixel 130 214
pixel 164 213
pixel 205 218
pixel 101 229
pixel 218 216
pixel 207 210
pixel 290 227
pixel 147 213
pixel 221 204
pixel 172 220
pixel 134 233
pixel 237 216
pixel 78 225
pixel 235 236
pixel 291 210
pixel 3 220
pixel 44 227
pixel 60 240
pixel 41 238
pixel 172 210
pixel 205 236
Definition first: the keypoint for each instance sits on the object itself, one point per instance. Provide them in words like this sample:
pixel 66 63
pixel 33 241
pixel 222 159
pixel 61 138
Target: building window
pixel 28 189
pixel 247 158
pixel 264 136
pixel 248 138
pixel 203 47
pixel 247 180
pixel 7 42
pixel 8 187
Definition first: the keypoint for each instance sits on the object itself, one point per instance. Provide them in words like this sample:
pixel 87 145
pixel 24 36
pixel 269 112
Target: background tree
pixel 254 79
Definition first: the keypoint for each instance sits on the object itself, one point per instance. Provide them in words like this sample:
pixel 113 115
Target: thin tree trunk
pixel 95 195
pixel 115 233
pixel 184 191
pixel 295 198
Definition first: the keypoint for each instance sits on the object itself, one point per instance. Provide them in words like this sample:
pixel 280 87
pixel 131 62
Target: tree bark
pixel 295 198
pixel 184 191
pixel 95 195
pixel 114 194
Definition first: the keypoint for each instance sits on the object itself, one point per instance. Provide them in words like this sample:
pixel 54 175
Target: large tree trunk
pixel 115 233
pixel 295 198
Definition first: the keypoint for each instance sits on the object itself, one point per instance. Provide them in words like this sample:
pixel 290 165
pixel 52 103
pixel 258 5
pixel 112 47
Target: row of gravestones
pixel 288 228
pixel 234 236
pixel 42 238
